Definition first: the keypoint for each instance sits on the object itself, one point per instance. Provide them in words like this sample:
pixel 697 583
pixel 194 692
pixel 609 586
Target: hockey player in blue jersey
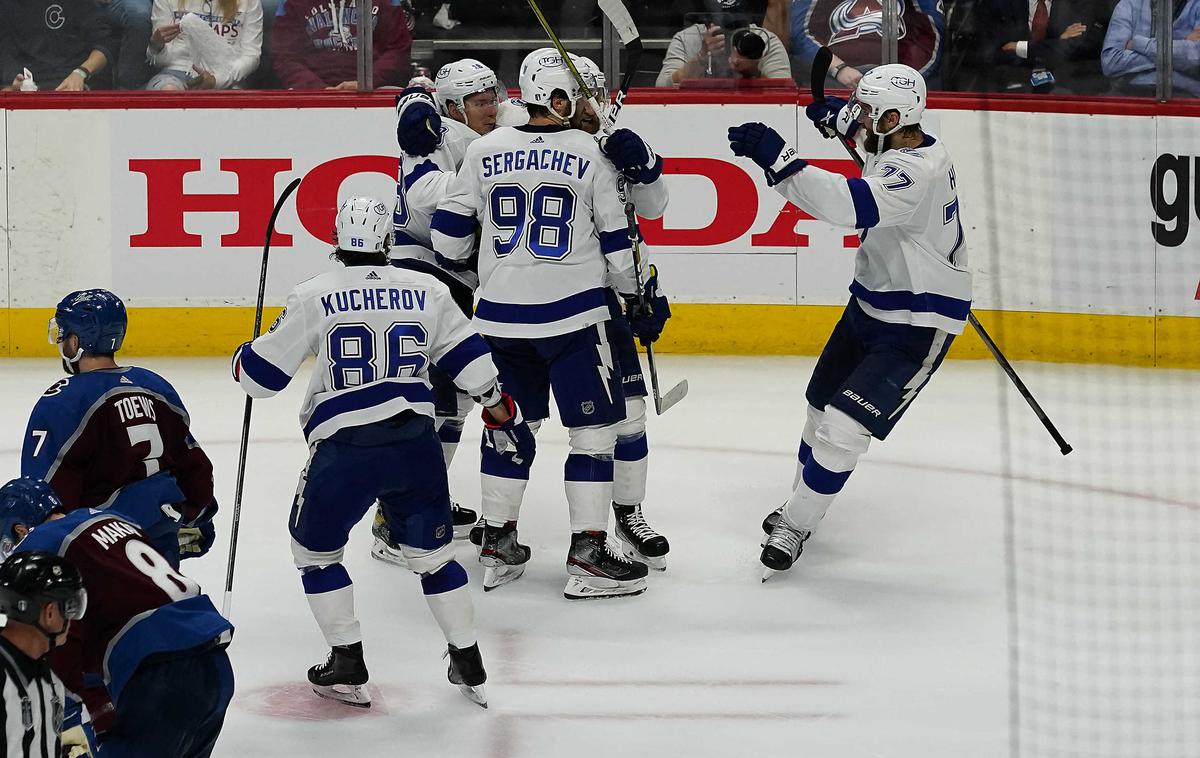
pixel 105 426
pixel 433 133
pixel 148 658
pixel 553 238
pixel 374 330
pixel 911 291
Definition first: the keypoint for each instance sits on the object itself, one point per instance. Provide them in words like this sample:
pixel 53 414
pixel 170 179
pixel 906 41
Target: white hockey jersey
pixel 374 331
pixel 911 267
pixel 552 227
pixel 421 184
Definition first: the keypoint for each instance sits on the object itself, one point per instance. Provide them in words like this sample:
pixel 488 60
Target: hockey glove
pixel 196 541
pixel 648 316
pixel 834 117
pixel 632 157
pixel 513 435
pixel 763 145
pixel 418 125
pixel 235 366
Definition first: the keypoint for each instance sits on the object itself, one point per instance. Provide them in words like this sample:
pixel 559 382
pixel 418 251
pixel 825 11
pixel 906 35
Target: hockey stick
pixel 817 79
pixel 241 470
pixel 619 16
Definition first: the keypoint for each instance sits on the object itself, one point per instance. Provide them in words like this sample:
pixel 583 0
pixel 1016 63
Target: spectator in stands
pixel 130 20
pixel 313 44
pixel 63 45
pixel 1129 53
pixel 852 29
pixel 200 44
pixel 1044 45
pixel 723 43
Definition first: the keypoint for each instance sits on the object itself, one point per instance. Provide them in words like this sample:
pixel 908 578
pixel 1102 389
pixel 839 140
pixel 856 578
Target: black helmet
pixel 31 580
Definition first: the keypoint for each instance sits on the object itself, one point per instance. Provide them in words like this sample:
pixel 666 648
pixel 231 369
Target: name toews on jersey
pixel 552 230
pixel 374 331
pixel 911 267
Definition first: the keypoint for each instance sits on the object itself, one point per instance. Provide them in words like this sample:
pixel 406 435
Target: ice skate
pixel 476 535
pixel 383 548
pixel 639 542
pixel 343 676
pixel 463 519
pixel 596 570
pixel 466 671
pixel 782 548
pixel 501 554
pixel 768 524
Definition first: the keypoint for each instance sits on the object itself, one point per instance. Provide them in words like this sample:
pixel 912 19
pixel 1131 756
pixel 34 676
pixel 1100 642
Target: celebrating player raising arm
pixel 368 418
pixel 911 291
pixel 433 134
pixel 553 237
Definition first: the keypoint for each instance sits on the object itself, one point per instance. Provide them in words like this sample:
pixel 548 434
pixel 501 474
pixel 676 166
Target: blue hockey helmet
pixel 97 317
pixel 27 501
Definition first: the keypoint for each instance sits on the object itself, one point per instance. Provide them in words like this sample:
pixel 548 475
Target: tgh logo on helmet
pixel 903 82
pixel 550 60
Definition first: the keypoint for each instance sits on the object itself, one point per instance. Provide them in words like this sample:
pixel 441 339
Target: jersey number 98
pixel 352 359
pixel 542 219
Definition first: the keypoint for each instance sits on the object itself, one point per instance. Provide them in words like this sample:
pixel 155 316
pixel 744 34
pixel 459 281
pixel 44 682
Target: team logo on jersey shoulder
pixel 278 320
pixel 56 388
pixel 904 82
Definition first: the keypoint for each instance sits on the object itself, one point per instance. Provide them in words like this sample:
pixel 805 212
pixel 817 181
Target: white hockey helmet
pixel 544 71
pixel 593 76
pixel 893 86
pixel 455 81
pixel 364 225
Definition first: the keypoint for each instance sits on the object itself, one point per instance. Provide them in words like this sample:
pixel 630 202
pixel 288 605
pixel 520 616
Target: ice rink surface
pixel 889 638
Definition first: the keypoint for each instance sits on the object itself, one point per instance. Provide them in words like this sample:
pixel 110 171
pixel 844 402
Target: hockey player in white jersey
pixel 911 291
pixel 553 236
pixel 368 418
pixel 433 133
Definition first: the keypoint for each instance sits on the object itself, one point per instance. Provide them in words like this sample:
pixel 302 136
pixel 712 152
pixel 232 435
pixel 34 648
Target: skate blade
pixel 768 573
pixel 381 552
pixel 654 564
pixel 351 694
pixel 498 576
pixel 590 587
pixel 476 694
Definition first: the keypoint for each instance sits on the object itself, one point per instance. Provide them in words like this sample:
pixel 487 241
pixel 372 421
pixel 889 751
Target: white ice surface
pixel 889 638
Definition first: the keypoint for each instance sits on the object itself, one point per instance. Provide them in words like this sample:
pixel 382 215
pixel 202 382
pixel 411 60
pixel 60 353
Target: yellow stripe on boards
pixel 703 329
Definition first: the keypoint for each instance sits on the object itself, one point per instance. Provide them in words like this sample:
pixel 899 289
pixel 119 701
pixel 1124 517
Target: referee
pixel 41 594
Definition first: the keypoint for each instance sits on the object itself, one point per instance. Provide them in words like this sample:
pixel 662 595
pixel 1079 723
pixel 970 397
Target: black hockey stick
pixel 241 470
pixel 817 78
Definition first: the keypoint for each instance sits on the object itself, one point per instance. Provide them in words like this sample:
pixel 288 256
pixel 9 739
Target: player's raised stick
pixel 820 68
pixel 619 16
pixel 241 469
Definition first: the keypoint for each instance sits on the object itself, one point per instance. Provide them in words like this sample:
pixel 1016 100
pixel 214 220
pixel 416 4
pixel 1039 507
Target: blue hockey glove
pixel 763 145
pixel 418 125
pixel 648 317
pixel 632 157
pixel 195 541
pixel 512 435
pixel 834 117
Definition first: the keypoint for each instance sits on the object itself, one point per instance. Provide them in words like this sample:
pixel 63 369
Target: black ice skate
pixel 384 548
pixel 476 535
pixel 768 524
pixel 639 542
pixel 343 676
pixel 463 518
pixel 501 554
pixel 597 571
pixel 782 548
pixel 466 671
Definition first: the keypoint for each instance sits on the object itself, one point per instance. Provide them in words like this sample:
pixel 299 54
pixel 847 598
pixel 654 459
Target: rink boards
pixel 1077 219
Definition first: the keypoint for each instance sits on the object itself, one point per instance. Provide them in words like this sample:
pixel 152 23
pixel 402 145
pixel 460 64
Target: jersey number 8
pixel 542 218
pixel 352 359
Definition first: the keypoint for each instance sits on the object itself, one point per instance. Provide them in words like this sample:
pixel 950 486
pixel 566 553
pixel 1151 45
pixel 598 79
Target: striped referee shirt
pixel 31 707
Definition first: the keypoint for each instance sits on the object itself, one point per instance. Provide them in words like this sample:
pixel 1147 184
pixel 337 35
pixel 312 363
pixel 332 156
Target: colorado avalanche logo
pixel 852 19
